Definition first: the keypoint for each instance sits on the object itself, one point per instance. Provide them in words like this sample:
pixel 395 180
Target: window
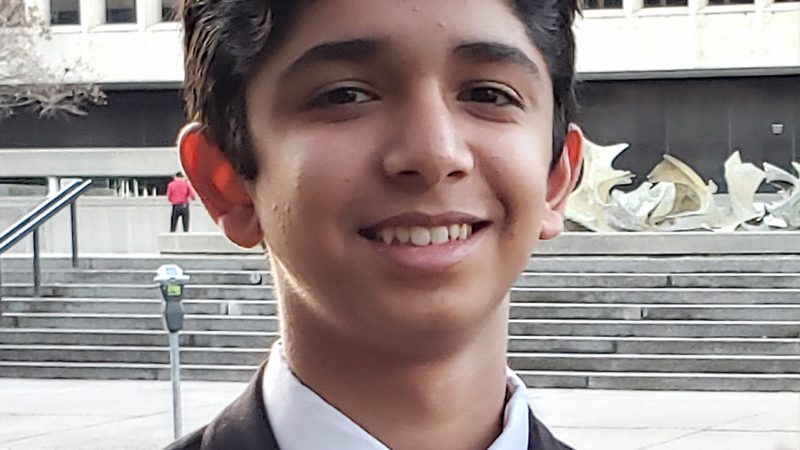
pixel 601 4
pixel 660 3
pixel 64 12
pixel 120 11
pixel 730 2
pixel 169 10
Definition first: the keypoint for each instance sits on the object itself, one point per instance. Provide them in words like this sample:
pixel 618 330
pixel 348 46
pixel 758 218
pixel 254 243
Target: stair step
pixel 755 263
pixel 517 361
pixel 620 311
pixel 136 306
pixel 658 280
pixel 655 363
pixel 526 279
pixel 662 381
pixel 125 354
pixel 658 296
pixel 667 264
pixel 654 328
pixel 551 344
pixel 141 338
pixel 518 294
pixel 123 371
pixel 533 379
pixel 136 321
pixel 191 291
pixel 136 277
pixel 656 345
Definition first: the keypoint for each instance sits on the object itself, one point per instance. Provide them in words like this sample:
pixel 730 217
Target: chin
pixel 424 316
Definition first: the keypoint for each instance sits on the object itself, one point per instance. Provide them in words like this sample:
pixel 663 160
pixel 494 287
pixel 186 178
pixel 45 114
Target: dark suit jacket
pixel 243 425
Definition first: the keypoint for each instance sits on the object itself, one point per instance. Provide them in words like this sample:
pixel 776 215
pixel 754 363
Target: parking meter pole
pixel 175 368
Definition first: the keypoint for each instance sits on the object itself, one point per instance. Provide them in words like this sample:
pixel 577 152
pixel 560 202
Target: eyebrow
pixel 496 52
pixel 353 50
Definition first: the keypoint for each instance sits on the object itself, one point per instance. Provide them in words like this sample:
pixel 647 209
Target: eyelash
pixel 327 99
pixel 510 99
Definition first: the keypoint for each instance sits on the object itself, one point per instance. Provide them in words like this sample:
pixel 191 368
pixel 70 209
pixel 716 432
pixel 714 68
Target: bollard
pixel 171 280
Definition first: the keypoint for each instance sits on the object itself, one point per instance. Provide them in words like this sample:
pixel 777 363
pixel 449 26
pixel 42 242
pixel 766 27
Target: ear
pixel 562 180
pixel 222 190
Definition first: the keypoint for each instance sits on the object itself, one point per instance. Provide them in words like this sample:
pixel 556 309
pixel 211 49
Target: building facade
pixel 698 79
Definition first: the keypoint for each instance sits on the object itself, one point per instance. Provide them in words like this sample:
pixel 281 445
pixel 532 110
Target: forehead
pixel 410 26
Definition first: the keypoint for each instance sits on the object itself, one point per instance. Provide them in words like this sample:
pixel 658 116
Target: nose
pixel 428 148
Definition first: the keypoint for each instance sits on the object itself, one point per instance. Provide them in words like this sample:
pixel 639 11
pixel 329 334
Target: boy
pixel 399 159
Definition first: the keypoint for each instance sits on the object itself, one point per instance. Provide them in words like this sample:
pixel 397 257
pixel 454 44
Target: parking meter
pixel 171 280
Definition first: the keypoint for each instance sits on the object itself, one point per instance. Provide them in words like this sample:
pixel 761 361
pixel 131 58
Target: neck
pixel 453 397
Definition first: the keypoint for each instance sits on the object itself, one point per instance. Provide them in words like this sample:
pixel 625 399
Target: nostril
pixel 457 174
pixel 408 172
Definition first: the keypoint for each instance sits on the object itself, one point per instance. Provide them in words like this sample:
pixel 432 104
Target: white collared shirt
pixel 293 409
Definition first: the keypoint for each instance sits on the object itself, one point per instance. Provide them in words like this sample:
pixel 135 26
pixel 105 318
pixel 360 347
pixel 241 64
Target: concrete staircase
pixel 696 322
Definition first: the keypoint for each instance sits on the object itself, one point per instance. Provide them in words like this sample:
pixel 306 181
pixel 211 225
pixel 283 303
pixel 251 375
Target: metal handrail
pixel 29 225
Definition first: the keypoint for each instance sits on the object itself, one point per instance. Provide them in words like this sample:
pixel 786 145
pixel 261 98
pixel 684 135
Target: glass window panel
pixel 64 12
pixel 660 3
pixel 169 10
pixel 730 2
pixel 601 4
pixel 120 11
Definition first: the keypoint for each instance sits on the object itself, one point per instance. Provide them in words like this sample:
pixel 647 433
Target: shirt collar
pixel 293 409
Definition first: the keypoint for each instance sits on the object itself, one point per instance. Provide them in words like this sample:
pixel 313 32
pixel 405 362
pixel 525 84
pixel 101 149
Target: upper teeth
pixel 422 236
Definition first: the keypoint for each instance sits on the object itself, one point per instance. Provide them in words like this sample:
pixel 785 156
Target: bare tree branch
pixel 26 81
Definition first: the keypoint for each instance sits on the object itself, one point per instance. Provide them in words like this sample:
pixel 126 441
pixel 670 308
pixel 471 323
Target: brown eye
pixel 342 96
pixel 488 95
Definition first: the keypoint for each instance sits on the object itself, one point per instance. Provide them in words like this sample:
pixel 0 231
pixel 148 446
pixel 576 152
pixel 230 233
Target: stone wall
pixel 105 225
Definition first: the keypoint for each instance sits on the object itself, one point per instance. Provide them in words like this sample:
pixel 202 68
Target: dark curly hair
pixel 226 41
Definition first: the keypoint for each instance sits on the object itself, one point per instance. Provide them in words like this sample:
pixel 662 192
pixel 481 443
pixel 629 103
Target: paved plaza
pixel 80 414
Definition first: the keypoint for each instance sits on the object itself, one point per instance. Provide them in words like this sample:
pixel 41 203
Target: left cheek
pixel 325 184
pixel 517 172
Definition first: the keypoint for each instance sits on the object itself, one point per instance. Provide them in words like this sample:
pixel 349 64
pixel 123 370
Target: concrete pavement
pixel 89 415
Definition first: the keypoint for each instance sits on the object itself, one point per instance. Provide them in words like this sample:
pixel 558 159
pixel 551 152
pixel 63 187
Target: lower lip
pixel 430 258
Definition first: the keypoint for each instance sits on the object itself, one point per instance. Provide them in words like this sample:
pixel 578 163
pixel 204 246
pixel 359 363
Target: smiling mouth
pixel 422 236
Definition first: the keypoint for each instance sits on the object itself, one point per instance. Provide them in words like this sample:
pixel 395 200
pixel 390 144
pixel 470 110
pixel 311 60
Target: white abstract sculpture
pixel 784 212
pixel 743 180
pixel 631 211
pixel 693 207
pixel 590 198
pixel 676 198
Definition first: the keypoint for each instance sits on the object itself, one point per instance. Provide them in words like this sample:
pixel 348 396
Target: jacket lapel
pixel 540 438
pixel 243 425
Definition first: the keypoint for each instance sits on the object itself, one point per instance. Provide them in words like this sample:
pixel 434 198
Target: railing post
pixel 74 224
pixel 37 269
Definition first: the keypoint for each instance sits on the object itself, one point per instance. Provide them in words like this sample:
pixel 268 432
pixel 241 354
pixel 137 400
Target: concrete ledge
pixel 201 243
pixel 87 162
pixel 690 243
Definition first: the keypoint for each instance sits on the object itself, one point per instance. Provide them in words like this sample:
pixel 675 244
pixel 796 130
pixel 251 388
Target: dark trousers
pixel 181 211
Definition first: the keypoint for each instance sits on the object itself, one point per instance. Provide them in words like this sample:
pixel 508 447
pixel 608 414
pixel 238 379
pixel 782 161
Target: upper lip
pixel 425 220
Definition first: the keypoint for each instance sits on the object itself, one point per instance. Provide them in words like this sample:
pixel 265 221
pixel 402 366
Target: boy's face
pixel 378 116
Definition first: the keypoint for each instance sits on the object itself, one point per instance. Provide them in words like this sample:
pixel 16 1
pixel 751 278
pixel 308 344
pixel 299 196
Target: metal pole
pixel 37 269
pixel 73 216
pixel 175 369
